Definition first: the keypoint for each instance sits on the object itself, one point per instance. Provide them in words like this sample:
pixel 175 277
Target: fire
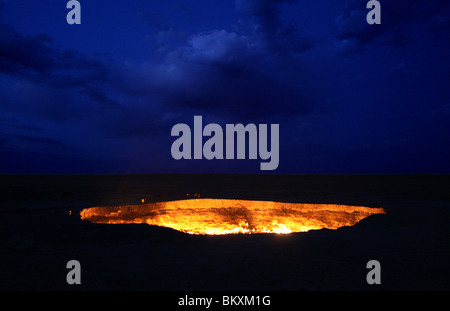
pixel 217 216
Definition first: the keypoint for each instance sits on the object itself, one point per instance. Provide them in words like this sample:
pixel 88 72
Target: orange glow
pixel 217 216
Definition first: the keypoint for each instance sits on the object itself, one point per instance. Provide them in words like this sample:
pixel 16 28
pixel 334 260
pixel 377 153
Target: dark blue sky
pixel 102 97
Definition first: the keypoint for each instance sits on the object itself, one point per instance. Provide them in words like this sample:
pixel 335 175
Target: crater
pixel 220 216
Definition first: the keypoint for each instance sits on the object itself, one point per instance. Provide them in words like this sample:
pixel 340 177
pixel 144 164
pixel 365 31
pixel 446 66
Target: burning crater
pixel 216 216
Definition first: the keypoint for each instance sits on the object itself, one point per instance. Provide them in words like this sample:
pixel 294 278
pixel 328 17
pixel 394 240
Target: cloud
pixel 243 75
pixel 63 104
pixel 265 20
pixel 20 53
pixel 226 73
pixel 2 8
pixel 253 73
pixel 56 85
pixel 219 48
pixel 398 18
pixel 28 139
pixel 15 134
pixel 15 124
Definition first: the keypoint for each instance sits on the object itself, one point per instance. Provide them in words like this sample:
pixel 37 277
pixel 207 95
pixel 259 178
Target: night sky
pixel 102 97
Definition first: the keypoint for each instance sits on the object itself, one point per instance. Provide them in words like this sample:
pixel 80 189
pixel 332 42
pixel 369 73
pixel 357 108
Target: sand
pixel 41 231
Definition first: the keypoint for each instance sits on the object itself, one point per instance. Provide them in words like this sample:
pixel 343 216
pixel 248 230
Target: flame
pixel 217 216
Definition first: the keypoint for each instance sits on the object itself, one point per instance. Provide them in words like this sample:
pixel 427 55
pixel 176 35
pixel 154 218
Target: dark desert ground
pixel 41 231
